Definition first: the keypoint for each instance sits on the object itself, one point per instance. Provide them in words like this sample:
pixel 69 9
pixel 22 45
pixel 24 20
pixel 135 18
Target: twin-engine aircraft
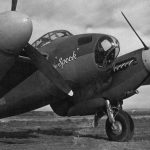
pixel 77 75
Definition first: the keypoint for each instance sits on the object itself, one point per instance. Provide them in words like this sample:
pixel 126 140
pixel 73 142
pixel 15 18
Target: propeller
pixel 14 5
pixel 47 69
pixel 145 46
pixel 44 65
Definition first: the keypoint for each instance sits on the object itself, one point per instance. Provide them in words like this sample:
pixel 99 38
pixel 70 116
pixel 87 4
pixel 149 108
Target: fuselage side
pixel 74 59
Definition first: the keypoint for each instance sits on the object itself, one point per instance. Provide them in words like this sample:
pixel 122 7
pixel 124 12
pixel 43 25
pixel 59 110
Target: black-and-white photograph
pixel 74 75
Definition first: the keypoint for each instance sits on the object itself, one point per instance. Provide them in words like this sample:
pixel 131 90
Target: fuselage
pixel 74 59
pixel 77 65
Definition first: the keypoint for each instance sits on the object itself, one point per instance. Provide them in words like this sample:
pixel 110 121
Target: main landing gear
pixel 119 125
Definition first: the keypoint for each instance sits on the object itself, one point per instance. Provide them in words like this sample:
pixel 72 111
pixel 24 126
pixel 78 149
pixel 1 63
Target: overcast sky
pixel 98 16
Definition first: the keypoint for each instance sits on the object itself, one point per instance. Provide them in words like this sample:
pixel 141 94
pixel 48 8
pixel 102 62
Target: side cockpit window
pixel 107 49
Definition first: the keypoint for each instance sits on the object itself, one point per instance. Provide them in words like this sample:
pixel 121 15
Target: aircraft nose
pixel 15 31
pixel 146 58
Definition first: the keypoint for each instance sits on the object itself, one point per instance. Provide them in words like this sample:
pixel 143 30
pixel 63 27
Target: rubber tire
pixel 127 127
pixel 131 127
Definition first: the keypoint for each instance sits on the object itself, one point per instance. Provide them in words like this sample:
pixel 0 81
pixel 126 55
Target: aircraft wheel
pixel 121 131
pixel 131 127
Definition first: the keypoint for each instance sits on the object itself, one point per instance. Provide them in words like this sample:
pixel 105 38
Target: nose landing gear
pixel 119 125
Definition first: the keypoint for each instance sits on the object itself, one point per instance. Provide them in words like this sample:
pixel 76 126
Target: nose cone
pixel 146 58
pixel 15 31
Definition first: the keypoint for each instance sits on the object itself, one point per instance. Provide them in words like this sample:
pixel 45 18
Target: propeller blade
pixel 145 46
pixel 14 5
pixel 47 69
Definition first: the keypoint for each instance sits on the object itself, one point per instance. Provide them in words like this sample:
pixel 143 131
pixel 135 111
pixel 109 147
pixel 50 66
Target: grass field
pixel 47 131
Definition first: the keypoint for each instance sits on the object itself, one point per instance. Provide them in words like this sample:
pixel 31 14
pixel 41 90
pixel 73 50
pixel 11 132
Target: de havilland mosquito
pixel 76 75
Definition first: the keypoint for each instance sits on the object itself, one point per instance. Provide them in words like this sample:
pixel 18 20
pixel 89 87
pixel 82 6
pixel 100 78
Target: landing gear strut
pixel 97 117
pixel 119 125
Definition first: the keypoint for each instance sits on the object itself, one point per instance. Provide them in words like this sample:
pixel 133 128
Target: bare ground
pixel 46 132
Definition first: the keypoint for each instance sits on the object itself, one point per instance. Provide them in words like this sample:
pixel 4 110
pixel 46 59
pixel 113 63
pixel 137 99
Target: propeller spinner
pixel 15 31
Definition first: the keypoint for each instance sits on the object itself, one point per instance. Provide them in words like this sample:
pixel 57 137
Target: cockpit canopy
pixel 49 37
pixel 107 49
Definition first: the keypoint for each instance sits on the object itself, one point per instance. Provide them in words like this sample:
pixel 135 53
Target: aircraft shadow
pixel 17 134
pixel 35 133
pixel 16 137
pixel 69 132
pixel 25 135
